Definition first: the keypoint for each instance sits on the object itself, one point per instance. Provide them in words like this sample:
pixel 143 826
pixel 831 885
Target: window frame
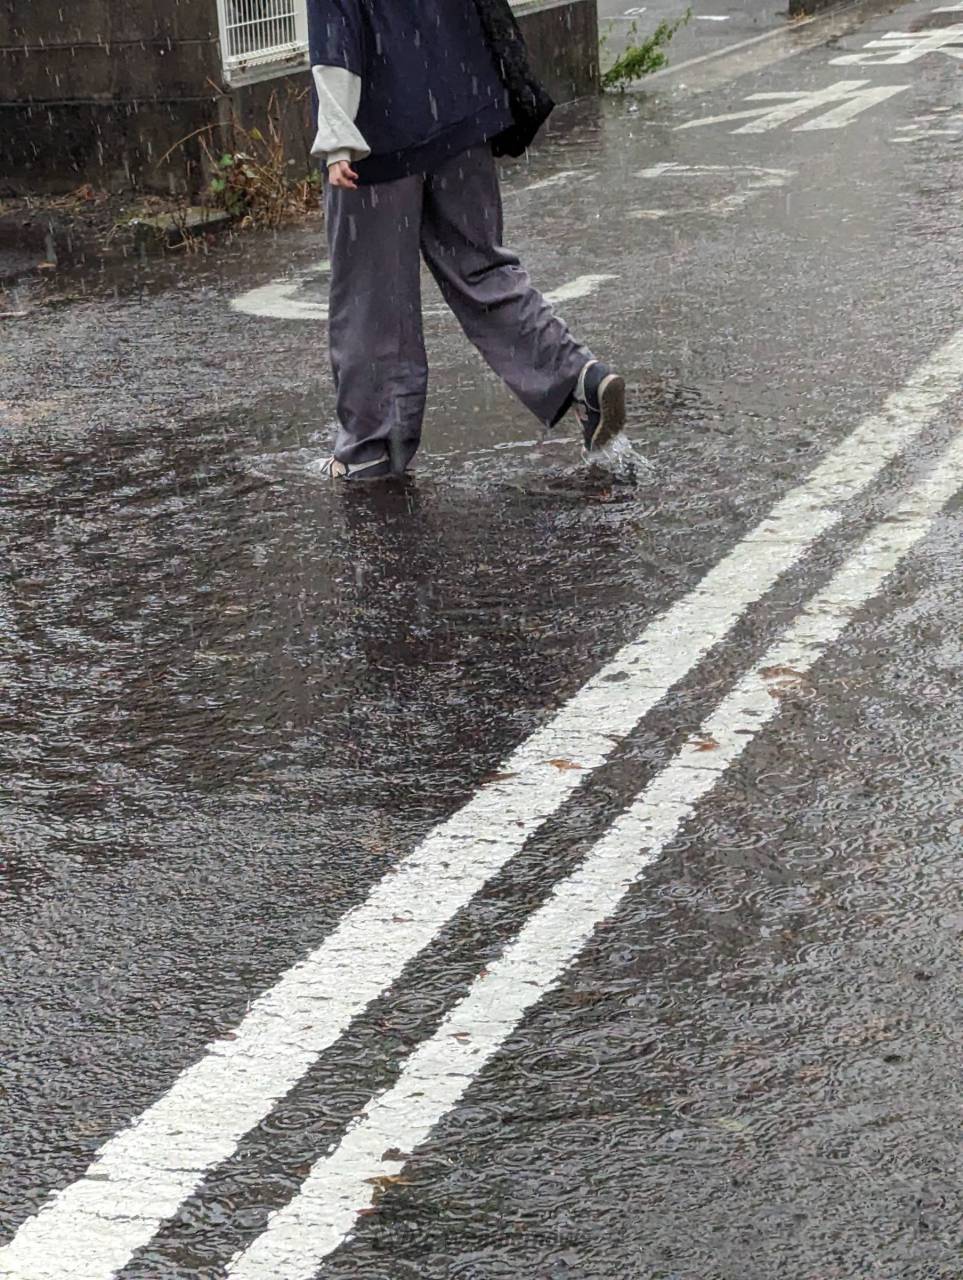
pixel 279 60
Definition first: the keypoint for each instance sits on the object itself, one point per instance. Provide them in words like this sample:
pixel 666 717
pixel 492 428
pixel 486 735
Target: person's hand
pixel 340 174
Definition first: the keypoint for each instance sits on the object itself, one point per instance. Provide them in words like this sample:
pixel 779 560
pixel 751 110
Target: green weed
pixel 641 59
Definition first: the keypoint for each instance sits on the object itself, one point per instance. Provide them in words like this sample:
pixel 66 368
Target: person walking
pixel 415 100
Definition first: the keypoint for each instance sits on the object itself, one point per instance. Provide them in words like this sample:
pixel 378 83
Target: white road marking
pixel 317 1220
pixel 279 300
pixel 756 180
pixel 933 125
pixel 556 179
pixel 141 1176
pixel 860 101
pixel 671 168
pixel 712 17
pixel 897 48
pixel 853 97
pixel 580 287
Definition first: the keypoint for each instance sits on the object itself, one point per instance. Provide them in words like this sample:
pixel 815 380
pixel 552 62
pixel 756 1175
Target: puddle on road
pixel 535 467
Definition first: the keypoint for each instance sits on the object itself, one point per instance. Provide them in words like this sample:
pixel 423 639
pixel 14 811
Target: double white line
pixel 141 1177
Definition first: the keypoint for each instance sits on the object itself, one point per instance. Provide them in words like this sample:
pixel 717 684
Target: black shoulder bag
pixel 530 104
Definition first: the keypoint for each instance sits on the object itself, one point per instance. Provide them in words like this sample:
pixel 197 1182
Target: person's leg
pixel 489 291
pixel 375 332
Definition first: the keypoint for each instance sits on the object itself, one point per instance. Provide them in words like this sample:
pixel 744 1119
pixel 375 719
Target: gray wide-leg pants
pixel 377 235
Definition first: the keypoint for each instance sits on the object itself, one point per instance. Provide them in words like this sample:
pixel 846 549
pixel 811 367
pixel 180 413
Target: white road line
pixel 755 181
pixel 554 180
pixel 317 1220
pixel 854 97
pixel 580 287
pixel 898 48
pixel 279 299
pixel 842 115
pixel 140 1177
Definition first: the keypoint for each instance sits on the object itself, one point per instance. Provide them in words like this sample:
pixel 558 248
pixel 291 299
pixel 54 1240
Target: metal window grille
pixel 262 32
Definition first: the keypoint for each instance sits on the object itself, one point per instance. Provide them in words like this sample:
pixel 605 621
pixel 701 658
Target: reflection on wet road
pixel 509 871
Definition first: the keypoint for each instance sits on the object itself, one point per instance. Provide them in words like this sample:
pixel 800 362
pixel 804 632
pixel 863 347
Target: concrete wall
pixel 99 90
pixel 563 37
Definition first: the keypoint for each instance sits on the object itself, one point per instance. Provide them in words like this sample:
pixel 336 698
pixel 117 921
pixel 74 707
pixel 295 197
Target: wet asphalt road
pixel 712 25
pixel 234 700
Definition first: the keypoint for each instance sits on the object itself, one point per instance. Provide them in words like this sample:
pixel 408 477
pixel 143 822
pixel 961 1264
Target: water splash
pixel 621 458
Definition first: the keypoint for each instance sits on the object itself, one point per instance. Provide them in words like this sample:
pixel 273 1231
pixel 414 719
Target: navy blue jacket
pixel 430 85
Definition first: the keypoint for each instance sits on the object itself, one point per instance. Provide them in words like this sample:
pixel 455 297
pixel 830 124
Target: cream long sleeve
pixel 338 137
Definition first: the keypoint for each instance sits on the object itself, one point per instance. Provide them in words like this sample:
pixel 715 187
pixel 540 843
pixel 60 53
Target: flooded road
pixel 508 871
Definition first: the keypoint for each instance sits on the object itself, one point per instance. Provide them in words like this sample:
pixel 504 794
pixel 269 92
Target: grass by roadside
pixel 641 57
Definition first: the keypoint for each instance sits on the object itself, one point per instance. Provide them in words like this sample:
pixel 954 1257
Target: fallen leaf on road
pixel 498 777
pixel 786 681
pixel 565 764
pixel 704 744
pixel 385 1180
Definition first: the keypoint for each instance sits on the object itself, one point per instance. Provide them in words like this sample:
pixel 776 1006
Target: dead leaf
pixel 565 764
pixel 498 777
pixel 460 1035
pixel 704 744
pixel 385 1180
pixel 786 682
